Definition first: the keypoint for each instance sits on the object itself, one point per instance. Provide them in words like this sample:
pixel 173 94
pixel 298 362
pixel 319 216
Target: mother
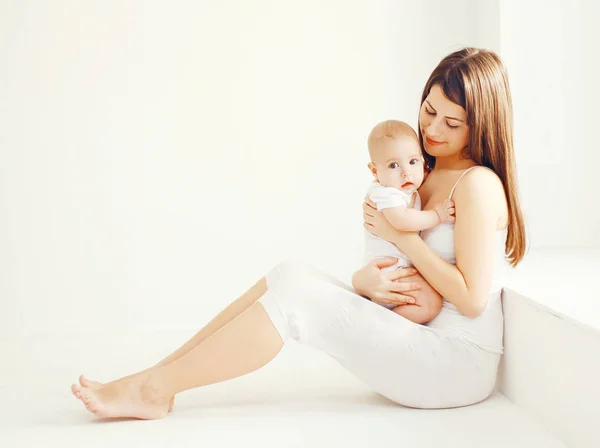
pixel 465 127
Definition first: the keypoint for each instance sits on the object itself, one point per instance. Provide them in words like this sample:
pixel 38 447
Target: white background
pixel 157 158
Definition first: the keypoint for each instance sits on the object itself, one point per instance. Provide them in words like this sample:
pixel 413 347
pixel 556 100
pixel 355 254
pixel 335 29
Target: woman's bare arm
pixel 479 197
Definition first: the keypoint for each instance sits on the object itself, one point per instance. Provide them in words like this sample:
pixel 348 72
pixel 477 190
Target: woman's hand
pixel 384 287
pixel 376 223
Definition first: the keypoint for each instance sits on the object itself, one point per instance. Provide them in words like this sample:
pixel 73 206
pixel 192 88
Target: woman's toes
pixel 85 382
pixel 123 399
pixel 94 407
pixel 90 400
pixel 76 389
pixel 91 409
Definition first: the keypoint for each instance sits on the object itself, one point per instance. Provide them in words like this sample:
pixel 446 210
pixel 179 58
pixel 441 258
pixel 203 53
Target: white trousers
pixel 408 363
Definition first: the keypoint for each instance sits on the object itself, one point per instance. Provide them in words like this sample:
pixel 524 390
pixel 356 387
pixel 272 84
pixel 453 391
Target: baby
pixel 398 168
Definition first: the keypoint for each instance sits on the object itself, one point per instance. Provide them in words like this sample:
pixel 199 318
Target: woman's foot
pixel 85 382
pixel 133 397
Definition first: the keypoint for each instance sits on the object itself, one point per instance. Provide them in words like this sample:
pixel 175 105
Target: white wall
pixel 156 160
pixel 550 49
pixel 590 124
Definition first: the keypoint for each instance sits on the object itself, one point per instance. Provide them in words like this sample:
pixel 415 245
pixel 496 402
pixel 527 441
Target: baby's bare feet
pixel 86 382
pixel 132 397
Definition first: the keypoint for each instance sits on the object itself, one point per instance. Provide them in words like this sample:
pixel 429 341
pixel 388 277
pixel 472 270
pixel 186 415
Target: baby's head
pixel 396 159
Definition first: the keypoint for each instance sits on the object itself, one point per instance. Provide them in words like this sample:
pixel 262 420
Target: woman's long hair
pixel 476 79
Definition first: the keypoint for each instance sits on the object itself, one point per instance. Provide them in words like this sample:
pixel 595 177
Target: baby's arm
pixel 411 220
pixel 408 219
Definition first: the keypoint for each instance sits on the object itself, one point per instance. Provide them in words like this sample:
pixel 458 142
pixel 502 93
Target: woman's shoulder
pixel 483 185
pixel 481 178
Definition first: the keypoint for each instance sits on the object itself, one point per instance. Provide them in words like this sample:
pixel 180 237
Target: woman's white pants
pixel 406 362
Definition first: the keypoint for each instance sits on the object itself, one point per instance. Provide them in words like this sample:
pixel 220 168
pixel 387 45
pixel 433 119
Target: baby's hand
pixel 445 211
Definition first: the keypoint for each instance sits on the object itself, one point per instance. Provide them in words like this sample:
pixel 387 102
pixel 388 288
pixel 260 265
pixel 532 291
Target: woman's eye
pixel 429 111
pixel 392 165
pixel 450 126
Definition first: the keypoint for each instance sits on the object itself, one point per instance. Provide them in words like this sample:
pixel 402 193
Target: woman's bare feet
pixel 133 397
pixel 85 382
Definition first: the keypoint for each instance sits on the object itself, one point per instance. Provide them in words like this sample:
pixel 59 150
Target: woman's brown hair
pixel 476 79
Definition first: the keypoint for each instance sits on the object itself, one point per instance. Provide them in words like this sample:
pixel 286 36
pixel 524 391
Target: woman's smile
pixel 433 142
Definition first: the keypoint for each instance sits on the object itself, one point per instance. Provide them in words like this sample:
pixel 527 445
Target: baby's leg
pixel 428 306
pixel 416 313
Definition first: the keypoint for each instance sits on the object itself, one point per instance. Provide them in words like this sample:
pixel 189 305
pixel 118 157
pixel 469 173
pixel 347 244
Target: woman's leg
pixel 242 346
pixel 233 310
pixel 401 360
pixel 124 396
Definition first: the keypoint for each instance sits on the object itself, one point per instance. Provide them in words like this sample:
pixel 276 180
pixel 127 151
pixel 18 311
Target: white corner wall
pixel 550 49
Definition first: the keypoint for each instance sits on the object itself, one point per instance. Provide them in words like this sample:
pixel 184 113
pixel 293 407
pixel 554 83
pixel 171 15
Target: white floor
pixel 302 398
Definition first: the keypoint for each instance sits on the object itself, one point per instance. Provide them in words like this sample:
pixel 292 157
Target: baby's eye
pixel 392 165
pixel 413 162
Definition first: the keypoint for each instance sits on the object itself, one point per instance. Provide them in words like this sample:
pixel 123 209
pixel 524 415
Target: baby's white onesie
pixel 375 247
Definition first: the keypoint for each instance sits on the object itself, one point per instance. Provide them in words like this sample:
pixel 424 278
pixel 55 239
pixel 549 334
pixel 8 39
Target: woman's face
pixel 443 125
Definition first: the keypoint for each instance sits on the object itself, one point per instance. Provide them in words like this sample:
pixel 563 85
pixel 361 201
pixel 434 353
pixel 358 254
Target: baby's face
pixel 398 163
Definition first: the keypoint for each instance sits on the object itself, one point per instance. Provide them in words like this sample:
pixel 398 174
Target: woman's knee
pixel 288 264
pixel 291 268
pixel 305 277
pixel 287 272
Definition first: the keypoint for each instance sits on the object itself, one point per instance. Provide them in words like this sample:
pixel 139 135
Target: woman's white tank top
pixel 486 330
